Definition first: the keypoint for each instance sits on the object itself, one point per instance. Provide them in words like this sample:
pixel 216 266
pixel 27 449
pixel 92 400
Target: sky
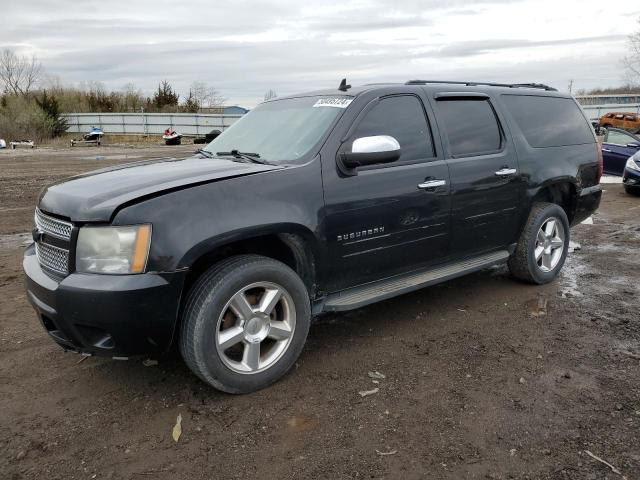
pixel 244 48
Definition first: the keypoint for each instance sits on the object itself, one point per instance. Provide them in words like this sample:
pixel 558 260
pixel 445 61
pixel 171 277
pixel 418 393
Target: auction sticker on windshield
pixel 339 102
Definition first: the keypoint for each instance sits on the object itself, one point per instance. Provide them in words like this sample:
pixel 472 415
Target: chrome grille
pixel 53 258
pixel 52 226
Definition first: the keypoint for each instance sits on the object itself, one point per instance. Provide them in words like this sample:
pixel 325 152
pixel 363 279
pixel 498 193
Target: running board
pixel 373 292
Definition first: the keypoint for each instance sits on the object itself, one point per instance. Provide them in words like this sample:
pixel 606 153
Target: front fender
pixel 190 222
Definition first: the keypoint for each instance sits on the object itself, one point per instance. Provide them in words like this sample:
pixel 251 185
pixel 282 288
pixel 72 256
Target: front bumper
pixel 631 178
pixel 107 315
pixel 587 202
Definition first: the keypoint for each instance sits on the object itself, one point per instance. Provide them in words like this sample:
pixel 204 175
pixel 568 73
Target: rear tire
pixel 543 244
pixel 245 323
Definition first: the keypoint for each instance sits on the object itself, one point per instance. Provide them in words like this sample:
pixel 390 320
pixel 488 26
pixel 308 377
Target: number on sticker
pixel 338 102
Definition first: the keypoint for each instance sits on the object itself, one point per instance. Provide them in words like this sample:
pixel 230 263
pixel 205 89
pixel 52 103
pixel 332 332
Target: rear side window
pixel 401 117
pixel 549 121
pixel 471 126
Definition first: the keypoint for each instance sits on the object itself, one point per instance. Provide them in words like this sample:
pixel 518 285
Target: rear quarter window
pixel 549 121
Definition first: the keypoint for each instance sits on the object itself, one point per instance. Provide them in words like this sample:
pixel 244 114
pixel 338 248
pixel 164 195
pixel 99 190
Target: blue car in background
pixel 617 147
pixel 631 175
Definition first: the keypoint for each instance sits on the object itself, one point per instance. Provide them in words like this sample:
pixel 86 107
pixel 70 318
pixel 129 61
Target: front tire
pixel 245 323
pixel 632 190
pixel 543 244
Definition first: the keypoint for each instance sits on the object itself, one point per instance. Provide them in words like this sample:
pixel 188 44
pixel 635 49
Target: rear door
pixel 387 218
pixel 486 186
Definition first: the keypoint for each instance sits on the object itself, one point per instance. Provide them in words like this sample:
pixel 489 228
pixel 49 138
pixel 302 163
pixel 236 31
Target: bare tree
pixel 205 95
pixel 19 74
pixel 271 93
pixel 632 61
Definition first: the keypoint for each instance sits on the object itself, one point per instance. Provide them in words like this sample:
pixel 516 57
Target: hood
pixel 95 196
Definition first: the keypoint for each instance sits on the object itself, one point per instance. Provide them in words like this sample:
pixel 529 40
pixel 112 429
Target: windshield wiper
pixel 252 157
pixel 206 153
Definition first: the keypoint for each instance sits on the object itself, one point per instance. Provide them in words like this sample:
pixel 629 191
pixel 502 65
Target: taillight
pixel 600 162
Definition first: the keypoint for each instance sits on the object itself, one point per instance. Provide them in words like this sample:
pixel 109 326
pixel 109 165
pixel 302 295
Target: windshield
pixel 281 131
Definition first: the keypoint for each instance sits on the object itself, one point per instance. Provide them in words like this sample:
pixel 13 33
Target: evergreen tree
pixel 191 105
pixel 49 104
pixel 165 96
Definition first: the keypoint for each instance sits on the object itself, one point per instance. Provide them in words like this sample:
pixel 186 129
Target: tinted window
pixel 402 118
pixel 471 126
pixel 549 121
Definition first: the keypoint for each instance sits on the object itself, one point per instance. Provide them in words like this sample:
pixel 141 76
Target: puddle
pixel 537 306
pixel 15 240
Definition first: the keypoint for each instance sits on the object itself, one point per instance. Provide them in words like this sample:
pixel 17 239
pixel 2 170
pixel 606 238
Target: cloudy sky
pixel 244 47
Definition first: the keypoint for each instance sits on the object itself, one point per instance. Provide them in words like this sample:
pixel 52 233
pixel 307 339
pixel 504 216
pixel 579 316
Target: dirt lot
pixel 484 377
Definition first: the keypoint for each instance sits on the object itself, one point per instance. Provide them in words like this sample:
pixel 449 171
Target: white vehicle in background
pixel 22 143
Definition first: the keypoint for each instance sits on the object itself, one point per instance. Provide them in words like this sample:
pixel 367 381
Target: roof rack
pixel 473 84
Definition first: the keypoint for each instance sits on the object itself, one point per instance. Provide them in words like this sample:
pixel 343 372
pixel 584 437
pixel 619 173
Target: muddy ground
pixel 485 377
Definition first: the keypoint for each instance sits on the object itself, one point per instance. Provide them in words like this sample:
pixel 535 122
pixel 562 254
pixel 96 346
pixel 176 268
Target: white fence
pixel 149 123
pixel 607 99
pixel 193 124
pixel 594 112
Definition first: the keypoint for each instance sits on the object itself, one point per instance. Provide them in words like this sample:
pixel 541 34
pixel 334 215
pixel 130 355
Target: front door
pixel 615 151
pixel 385 219
pixel 486 188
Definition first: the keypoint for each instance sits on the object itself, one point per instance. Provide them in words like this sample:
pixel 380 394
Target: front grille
pixel 53 258
pixel 52 226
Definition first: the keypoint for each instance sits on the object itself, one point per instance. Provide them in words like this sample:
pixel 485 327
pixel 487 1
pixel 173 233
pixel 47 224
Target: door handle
pixel 606 150
pixel 505 172
pixel 431 184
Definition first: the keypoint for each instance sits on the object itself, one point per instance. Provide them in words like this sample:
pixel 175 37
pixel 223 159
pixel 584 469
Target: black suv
pixel 325 201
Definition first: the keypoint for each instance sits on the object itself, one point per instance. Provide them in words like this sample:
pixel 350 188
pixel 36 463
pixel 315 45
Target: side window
pixel 619 138
pixel 471 126
pixel 403 118
pixel 547 121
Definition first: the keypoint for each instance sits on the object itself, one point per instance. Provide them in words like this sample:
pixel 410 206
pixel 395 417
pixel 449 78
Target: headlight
pixel 632 165
pixel 113 250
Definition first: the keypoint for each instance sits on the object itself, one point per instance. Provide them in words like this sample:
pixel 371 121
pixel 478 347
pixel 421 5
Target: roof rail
pixel 473 84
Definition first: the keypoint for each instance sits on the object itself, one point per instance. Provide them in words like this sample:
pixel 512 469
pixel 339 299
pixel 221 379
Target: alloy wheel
pixel 549 244
pixel 255 327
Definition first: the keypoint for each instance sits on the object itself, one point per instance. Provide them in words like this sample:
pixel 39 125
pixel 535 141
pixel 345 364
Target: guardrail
pixel 189 124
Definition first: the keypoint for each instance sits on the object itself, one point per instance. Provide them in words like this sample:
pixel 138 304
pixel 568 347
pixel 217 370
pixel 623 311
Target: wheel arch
pixel 562 192
pixel 292 244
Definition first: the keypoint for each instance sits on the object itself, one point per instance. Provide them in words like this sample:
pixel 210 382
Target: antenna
pixel 343 85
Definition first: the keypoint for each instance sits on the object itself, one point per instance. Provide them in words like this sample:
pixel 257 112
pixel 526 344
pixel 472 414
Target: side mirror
pixel 633 145
pixel 372 150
